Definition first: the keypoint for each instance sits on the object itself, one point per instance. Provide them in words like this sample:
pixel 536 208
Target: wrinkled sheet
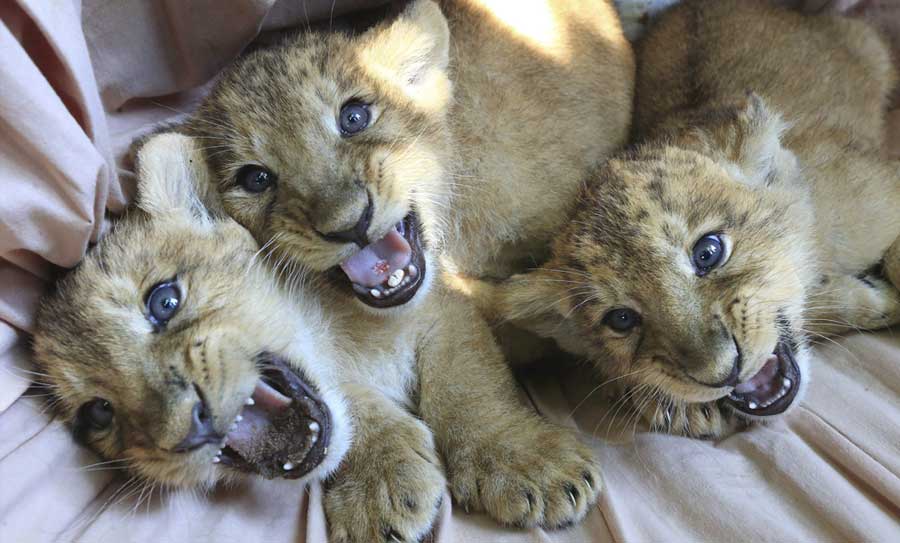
pixel 79 80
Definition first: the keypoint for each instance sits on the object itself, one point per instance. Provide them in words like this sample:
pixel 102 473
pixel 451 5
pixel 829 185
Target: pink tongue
pixel 372 265
pixel 257 418
pixel 761 379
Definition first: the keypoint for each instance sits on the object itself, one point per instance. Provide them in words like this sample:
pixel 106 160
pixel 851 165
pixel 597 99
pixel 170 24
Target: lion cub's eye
pixel 97 414
pixel 622 319
pixel 708 253
pixel 254 178
pixel 162 303
pixel 354 118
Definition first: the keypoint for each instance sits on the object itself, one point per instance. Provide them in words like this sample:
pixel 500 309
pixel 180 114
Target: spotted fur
pixel 734 140
pixel 93 338
pixel 483 126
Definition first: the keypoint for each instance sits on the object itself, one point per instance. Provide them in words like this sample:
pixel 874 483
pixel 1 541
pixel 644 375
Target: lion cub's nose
pixel 202 431
pixel 359 233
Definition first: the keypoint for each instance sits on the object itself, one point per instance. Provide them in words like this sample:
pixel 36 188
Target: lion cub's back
pixel 543 91
pixel 809 67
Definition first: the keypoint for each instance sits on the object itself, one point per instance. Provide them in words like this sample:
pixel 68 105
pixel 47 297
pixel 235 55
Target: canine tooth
pixel 238 418
pixel 314 438
pixel 396 278
pixel 314 427
pixel 216 460
pixel 249 401
pixel 412 270
pixel 786 382
pixel 752 405
pixel 288 466
pixel 375 293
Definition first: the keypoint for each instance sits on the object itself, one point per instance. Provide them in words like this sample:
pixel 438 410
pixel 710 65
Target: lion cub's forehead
pixel 639 219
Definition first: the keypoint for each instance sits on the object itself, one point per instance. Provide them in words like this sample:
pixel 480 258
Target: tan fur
pixel 484 127
pixel 791 175
pixel 93 338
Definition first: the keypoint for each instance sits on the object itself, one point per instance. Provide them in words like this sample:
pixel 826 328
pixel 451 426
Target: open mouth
pixel 388 272
pixel 773 389
pixel 283 429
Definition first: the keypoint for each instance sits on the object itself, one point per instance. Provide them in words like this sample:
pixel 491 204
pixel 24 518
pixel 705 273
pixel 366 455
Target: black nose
pixel 202 431
pixel 357 234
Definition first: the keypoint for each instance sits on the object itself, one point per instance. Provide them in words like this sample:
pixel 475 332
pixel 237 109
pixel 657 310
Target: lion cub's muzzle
pixel 388 272
pixel 773 388
pixel 282 429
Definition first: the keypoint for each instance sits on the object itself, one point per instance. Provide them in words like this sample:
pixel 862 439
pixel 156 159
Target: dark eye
pixel 255 178
pixel 97 414
pixel 708 253
pixel 622 319
pixel 354 118
pixel 162 303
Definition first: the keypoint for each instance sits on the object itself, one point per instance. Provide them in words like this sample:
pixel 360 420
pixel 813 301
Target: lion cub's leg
pixel 501 456
pixel 868 301
pixel 390 484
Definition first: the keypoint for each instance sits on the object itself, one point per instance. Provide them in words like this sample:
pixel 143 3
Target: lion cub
pixel 171 350
pixel 698 266
pixel 457 134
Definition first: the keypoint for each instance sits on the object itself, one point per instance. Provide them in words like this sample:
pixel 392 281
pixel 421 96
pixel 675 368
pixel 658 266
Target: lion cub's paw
pixel 526 476
pixel 390 493
pixel 707 420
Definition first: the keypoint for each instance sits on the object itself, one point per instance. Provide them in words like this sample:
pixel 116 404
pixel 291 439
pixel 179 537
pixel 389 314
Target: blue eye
pixel 708 253
pixel 354 118
pixel 162 303
pixel 622 319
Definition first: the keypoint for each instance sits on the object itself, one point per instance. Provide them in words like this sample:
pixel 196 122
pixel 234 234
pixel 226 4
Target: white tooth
pixel 238 418
pixel 216 460
pixel 412 270
pixel 249 401
pixel 314 427
pixel 396 278
pixel 315 437
pixel 288 466
pixel 375 293
pixel 787 382
pixel 219 453
pixel 752 405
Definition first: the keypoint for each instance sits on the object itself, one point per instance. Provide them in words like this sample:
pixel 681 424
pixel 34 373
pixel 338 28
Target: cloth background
pixel 80 79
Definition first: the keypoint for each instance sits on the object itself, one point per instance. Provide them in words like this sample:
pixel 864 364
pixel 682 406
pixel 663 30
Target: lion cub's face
pixel 331 151
pixel 170 349
pixel 681 276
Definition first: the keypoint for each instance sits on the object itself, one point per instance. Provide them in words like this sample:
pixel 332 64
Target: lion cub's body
pixel 526 132
pixel 481 119
pixel 764 128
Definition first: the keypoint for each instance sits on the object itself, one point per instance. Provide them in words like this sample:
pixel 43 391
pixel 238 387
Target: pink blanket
pixel 78 80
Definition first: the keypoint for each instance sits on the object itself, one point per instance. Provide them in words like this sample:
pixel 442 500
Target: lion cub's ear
pixel 412 53
pixel 171 176
pixel 746 139
pixel 756 146
pixel 532 300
